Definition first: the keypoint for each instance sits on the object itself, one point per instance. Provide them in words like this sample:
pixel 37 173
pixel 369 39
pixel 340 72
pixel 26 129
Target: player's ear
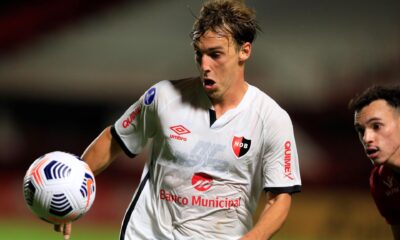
pixel 244 51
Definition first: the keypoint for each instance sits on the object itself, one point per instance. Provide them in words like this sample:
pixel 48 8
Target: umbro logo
pixel 180 130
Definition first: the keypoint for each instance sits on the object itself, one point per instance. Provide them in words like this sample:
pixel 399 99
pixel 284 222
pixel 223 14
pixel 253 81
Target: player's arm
pixel 98 155
pixel 272 217
pixel 101 152
pixel 396 231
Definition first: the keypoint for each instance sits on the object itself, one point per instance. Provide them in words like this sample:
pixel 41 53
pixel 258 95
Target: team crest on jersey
pixel 240 146
pixel 389 181
pixel 149 97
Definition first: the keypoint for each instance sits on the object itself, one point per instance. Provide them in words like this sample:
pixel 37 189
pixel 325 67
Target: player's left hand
pixel 65 229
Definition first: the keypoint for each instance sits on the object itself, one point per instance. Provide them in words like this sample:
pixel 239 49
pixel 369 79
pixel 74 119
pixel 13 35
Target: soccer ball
pixel 59 187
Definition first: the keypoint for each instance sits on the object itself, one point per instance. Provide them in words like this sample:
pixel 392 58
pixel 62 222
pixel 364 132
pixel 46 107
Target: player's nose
pixel 205 63
pixel 368 136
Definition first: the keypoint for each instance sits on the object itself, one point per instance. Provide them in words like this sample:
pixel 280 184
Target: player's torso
pixel 387 184
pixel 207 173
pixel 385 188
pixel 229 152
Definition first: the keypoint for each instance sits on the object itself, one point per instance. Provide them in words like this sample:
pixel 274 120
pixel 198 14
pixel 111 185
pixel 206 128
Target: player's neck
pixel 394 168
pixel 231 99
pixel 394 161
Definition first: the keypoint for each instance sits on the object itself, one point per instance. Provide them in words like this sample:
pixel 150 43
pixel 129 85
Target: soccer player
pixel 377 123
pixel 217 143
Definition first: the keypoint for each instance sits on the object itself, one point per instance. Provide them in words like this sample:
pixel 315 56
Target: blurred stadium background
pixel 68 68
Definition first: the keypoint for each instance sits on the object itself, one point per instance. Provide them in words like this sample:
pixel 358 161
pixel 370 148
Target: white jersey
pixel 205 175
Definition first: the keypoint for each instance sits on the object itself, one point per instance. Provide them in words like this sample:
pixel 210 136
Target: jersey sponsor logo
pixel 149 97
pixel 200 200
pixel 240 146
pixel 180 130
pixel 201 181
pixel 288 160
pixel 131 117
pixel 169 197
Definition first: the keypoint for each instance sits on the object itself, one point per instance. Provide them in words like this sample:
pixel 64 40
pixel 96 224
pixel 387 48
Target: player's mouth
pixel 208 83
pixel 372 152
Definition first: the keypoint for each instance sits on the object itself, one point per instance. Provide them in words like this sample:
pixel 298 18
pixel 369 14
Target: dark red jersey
pixel 385 189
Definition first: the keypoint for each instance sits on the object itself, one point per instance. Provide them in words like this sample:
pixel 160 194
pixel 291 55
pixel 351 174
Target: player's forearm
pixel 101 152
pixel 271 219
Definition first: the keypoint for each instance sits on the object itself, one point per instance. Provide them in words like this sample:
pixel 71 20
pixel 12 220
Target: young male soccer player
pixel 377 123
pixel 217 143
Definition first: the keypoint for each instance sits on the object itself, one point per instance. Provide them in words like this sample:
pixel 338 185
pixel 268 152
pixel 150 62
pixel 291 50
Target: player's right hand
pixel 65 229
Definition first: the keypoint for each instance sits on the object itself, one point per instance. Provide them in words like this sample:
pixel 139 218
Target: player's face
pixel 220 63
pixel 378 127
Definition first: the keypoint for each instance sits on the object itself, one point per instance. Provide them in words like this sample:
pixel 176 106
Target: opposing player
pixel 377 123
pixel 217 143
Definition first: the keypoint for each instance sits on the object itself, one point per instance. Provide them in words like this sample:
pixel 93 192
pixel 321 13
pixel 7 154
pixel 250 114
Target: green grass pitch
pixel 37 230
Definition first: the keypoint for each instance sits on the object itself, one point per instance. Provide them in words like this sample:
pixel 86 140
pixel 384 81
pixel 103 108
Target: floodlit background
pixel 69 68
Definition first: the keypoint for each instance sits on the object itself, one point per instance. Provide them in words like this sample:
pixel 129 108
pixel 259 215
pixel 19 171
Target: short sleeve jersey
pixel 204 176
pixel 385 189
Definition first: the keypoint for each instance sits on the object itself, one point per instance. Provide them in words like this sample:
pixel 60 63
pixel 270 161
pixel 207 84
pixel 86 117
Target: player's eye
pixel 376 126
pixel 215 55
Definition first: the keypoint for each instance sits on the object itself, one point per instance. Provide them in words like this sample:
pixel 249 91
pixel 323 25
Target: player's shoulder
pixel 176 83
pixel 263 99
pixel 373 174
pixel 379 170
pixel 176 86
pixel 179 91
pixel 379 173
pixel 266 104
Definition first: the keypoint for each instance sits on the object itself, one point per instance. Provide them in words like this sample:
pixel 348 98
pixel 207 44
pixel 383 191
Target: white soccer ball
pixel 59 187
